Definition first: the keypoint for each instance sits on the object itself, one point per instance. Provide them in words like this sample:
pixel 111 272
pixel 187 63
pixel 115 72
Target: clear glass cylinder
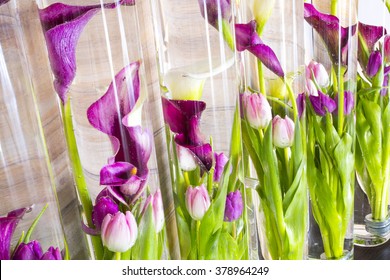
pixel 331 105
pixel 199 93
pixel 273 127
pixel 98 69
pixel 372 219
pixel 27 185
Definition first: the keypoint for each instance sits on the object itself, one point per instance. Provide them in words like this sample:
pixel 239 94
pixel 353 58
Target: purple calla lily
pixel 7 228
pixel 29 251
pixel 248 39
pixel 62 25
pixel 334 36
pixel 215 10
pixel 368 37
pixel 183 117
pixel 322 104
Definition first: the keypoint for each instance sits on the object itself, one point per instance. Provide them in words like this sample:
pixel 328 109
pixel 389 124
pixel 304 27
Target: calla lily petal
pixel 7 228
pixel 216 10
pixel 328 27
pixel 248 39
pixel 63 25
pixel 368 37
pixel 322 104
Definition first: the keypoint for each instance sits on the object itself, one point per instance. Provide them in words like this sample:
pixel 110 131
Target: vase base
pixel 347 255
pixel 363 238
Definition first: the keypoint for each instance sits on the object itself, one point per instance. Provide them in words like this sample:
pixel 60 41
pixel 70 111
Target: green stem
pixel 292 99
pixel 34 224
pixel 227 34
pixel 78 175
pixel 198 239
pixel 288 166
pixel 387 2
pixel 334 7
pixel 340 125
pixel 261 77
pixel 117 256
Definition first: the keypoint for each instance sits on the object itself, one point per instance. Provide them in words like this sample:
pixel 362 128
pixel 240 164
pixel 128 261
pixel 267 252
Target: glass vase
pixel 199 94
pixel 331 105
pixel 372 219
pixel 30 220
pixel 98 70
pixel 273 126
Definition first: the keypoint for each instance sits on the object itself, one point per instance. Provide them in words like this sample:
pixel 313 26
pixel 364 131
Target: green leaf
pixel 34 224
pixel 228 248
pixel 183 234
pixel 212 253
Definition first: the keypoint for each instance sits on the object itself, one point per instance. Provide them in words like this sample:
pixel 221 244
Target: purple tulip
pixel 52 254
pixel 334 36
pixel 233 207
pixel 63 25
pixel 385 80
pixel 7 228
pixel 257 110
pixel 155 200
pixel 29 251
pixel 104 205
pixel 282 132
pixel 386 48
pixel 374 64
pixel 368 37
pixel 217 10
pixel 119 231
pixel 248 39
pixel 197 202
pixel 349 102
pixel 220 162
pixel 301 103
pixel 322 104
pixel 317 72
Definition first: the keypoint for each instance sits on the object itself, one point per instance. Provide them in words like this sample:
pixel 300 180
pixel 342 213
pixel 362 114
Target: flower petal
pixel 368 36
pixel 216 10
pixel 220 162
pixel 301 103
pixel 322 104
pixel 248 39
pixel 329 29
pixel 3 2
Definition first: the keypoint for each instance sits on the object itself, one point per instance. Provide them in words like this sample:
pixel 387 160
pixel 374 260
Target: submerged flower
pixel 248 39
pixel 374 64
pixel 220 162
pixel 233 207
pixel 334 36
pixel 257 110
pixel 119 231
pixel 104 205
pixel 29 251
pixel 63 25
pixel 216 11
pixel 368 37
pixel 322 104
pixel 7 228
pixel 197 202
pixel 183 118
pixel 155 200
pixel 317 72
pixel 262 10
pixel 52 254
pixel 282 132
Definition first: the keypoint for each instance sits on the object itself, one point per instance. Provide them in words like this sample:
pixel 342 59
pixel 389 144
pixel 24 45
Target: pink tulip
pixel 256 109
pixel 318 72
pixel 282 131
pixel 158 211
pixel 119 231
pixel 197 202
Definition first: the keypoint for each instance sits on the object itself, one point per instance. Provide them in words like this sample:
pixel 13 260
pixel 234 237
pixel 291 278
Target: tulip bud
pixel 374 64
pixel 322 103
pixel 234 206
pixel 386 48
pixel 318 72
pixel 52 254
pixel 311 88
pixel 105 205
pixel 262 10
pixel 220 161
pixel 257 110
pixel 197 202
pixel 29 251
pixel 282 132
pixel 158 211
pixel 119 231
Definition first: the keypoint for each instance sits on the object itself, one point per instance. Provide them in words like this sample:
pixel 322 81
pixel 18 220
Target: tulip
pixel 104 205
pixel 119 231
pixel 301 104
pixel 29 251
pixel 216 10
pixel 322 103
pixel 52 254
pixel 234 206
pixel 374 64
pixel 155 200
pixel 220 161
pixel 257 110
pixel 386 48
pixel 311 88
pixel 318 72
pixel 262 10
pixel 282 131
pixel 349 102
pixel 197 202
pixel 368 37
pixel 186 158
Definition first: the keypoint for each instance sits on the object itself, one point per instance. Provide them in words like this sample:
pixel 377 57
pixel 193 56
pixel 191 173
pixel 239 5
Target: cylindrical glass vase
pixel 30 221
pixel 96 59
pixel 270 38
pixel 372 219
pixel 198 80
pixel 330 107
